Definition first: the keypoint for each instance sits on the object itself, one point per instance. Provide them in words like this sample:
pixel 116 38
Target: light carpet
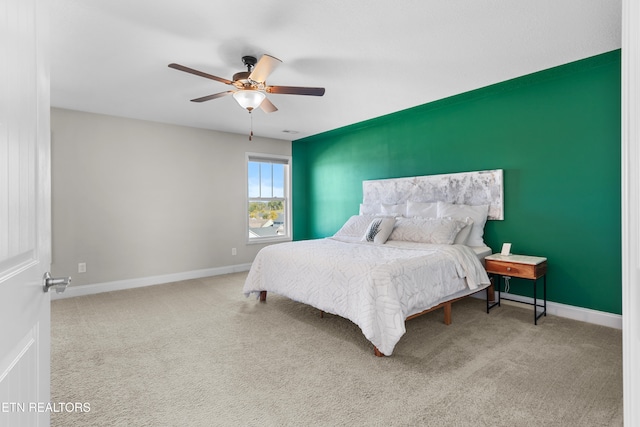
pixel 198 353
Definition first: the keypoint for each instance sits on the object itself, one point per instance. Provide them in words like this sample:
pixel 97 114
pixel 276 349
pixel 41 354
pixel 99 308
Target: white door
pixel 25 214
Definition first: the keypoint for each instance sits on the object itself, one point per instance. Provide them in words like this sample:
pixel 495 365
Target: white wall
pixel 135 199
pixel 631 210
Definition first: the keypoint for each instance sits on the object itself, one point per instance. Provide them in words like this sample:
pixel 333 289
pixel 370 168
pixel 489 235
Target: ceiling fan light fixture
pixel 249 99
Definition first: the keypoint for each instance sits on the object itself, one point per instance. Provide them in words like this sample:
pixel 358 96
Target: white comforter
pixel 374 286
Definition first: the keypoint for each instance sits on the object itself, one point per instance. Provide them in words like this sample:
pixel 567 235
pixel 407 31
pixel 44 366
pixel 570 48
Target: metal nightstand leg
pixel 536 316
pixel 544 293
pixel 535 302
pixel 496 289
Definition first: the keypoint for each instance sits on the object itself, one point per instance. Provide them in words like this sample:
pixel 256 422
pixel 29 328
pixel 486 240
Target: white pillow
pixel 477 213
pixel 463 235
pixel 369 209
pixel 355 226
pixel 427 230
pixel 393 210
pixel 379 230
pixel 424 210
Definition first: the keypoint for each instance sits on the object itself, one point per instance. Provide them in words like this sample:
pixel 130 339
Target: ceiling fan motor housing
pixel 241 76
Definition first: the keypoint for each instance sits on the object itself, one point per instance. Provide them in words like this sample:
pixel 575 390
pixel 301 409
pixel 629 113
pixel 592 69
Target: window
pixel 268 200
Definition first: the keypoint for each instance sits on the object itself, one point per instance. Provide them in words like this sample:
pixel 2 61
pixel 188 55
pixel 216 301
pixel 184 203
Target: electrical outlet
pixel 234 251
pixel 82 267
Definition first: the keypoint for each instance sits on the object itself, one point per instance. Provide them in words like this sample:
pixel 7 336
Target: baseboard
pixel 119 285
pixel 568 311
pixel 571 312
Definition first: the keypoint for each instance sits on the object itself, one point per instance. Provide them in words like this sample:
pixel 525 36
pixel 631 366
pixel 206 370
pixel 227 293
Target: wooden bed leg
pixel 377 352
pixel 263 296
pixel 447 313
pixel 321 314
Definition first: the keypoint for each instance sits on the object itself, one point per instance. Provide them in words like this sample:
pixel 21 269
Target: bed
pixel 410 250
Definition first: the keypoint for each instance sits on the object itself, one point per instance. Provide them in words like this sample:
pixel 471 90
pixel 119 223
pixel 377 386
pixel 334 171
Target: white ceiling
pixel 373 57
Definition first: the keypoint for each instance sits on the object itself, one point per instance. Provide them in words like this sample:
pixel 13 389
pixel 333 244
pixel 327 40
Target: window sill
pixel 269 240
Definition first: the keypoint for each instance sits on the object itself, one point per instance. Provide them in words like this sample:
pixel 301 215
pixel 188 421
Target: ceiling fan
pixel 250 86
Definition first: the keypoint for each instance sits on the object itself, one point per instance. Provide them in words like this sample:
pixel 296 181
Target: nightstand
pixel 523 267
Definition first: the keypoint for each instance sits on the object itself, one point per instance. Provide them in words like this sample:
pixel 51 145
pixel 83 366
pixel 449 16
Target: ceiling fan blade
pixel 295 90
pixel 214 96
pixel 267 106
pixel 199 73
pixel 263 68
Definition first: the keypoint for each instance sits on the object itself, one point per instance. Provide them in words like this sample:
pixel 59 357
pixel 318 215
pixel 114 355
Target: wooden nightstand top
pixel 518 259
pixel 523 266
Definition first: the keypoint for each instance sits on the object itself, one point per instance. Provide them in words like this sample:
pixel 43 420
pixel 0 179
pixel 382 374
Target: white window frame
pixel 275 158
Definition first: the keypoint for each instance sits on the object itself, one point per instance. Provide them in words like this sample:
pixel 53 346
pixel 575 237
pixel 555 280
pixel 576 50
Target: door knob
pixel 59 283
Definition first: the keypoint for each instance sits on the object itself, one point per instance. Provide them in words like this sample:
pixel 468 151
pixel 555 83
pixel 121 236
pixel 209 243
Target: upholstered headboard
pixel 469 188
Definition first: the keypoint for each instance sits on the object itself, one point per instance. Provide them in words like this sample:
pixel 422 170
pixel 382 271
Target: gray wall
pixel 135 199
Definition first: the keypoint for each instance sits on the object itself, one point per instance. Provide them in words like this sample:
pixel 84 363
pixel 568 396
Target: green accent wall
pixel 555 133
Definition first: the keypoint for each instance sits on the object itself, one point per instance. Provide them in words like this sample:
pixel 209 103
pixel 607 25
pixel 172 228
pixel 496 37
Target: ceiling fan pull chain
pixel 251 134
